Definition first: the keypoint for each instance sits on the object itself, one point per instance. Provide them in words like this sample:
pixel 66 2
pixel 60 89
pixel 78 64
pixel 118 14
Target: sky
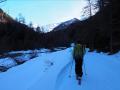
pixel 43 12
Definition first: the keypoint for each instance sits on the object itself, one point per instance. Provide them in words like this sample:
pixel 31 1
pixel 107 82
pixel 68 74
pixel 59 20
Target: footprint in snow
pixel 48 64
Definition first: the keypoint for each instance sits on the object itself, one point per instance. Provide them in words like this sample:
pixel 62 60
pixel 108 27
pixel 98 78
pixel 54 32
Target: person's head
pixel 79 44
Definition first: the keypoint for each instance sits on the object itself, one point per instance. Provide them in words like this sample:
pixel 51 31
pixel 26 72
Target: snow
pixel 51 71
pixel 71 21
pixel 49 27
pixel 23 57
pixel 65 24
pixel 24 52
pixel 7 62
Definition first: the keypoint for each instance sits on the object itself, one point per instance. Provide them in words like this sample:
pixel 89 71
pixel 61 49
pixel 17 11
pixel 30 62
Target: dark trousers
pixel 78 67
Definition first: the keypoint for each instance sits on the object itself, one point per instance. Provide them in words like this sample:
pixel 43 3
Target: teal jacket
pixel 78 51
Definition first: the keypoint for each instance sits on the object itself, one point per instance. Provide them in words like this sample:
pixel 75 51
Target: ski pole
pixel 84 69
pixel 71 69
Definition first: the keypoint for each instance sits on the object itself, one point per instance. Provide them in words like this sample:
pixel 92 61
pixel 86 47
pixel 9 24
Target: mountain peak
pixel 71 21
pixel 65 24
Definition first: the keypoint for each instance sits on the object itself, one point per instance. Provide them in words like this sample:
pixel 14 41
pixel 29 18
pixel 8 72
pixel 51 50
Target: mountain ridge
pixel 4 17
pixel 64 25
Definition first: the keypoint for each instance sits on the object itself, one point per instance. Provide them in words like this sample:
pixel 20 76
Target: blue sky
pixel 44 12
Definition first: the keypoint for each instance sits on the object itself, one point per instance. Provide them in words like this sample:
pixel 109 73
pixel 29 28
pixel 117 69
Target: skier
pixel 78 54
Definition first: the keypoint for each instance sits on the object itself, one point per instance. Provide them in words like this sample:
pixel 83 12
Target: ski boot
pixel 79 80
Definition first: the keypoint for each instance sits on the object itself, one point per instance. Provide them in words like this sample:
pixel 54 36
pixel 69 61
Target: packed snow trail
pixel 66 70
pixel 102 74
pixel 67 78
pixel 48 81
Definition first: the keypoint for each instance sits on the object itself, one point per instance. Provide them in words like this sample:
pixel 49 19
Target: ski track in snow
pixel 52 75
pixel 67 78
pixel 63 72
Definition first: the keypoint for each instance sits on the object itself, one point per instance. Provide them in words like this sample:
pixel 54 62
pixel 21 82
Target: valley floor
pixel 52 71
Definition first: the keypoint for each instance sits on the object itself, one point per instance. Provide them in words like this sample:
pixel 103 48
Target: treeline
pixel 17 36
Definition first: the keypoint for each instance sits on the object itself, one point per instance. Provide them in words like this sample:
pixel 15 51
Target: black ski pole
pixel 71 69
pixel 84 69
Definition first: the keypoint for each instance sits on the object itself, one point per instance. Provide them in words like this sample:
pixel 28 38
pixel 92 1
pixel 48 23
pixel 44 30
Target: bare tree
pixel 90 9
pixel 87 12
pixel 21 19
pixel 38 29
pixel 30 25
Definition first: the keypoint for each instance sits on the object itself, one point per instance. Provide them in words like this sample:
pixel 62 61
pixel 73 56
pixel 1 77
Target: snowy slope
pixel 49 27
pixel 50 71
pixel 66 24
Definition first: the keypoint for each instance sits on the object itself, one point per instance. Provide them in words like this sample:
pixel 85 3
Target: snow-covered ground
pixel 51 71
